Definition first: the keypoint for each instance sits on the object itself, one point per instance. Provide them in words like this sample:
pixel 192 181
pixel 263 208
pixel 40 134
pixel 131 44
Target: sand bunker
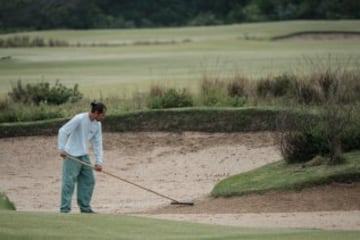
pixel 184 166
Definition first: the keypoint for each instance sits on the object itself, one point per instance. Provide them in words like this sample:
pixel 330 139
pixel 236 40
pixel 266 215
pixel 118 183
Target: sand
pixel 184 166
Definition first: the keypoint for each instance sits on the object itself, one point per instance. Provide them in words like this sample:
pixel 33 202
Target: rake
pixel 173 201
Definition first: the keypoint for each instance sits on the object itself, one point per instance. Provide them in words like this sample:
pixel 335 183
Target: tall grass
pixel 340 86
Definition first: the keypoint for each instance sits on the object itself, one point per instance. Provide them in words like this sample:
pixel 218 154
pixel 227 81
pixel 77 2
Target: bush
pixel 333 129
pixel 43 93
pixel 339 85
pixel 351 140
pixel 277 87
pixel 237 87
pixel 337 122
pixel 173 98
pixel 218 92
pixel 237 92
pixel 298 147
pixel 347 87
pixel 299 140
pixel 306 92
pixel 237 101
pixel 328 83
pixel 212 92
pixel 170 98
pixel 282 85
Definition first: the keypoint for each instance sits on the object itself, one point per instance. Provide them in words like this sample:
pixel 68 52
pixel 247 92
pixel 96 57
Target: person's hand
pixel 98 167
pixel 63 154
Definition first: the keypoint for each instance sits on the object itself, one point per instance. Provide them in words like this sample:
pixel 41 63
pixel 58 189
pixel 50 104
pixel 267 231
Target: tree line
pixel 18 15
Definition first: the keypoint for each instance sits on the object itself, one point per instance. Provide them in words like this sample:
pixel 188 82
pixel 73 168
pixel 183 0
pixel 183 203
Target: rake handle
pixel 122 179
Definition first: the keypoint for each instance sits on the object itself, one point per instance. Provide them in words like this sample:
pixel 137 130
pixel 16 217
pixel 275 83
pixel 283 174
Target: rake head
pixel 182 203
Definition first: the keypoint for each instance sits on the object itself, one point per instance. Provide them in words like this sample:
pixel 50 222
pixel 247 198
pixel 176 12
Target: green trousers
pixel 74 172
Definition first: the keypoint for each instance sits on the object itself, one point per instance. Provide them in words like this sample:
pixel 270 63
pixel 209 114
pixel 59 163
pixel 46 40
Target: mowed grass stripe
pixel 216 52
pixel 27 225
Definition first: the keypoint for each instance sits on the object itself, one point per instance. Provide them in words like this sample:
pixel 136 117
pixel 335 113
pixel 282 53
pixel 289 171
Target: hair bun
pixel 97 107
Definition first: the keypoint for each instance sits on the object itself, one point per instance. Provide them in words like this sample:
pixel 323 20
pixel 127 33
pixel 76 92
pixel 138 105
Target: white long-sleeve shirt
pixel 74 137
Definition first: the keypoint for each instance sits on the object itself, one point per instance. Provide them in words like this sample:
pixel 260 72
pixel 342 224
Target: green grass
pixel 26 225
pixel 282 176
pixel 217 51
pixel 5 203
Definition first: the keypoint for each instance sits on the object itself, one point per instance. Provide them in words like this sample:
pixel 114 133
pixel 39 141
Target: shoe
pixel 88 211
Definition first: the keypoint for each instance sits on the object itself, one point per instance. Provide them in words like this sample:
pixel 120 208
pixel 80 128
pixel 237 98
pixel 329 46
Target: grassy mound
pixel 282 176
pixel 5 203
pixel 76 226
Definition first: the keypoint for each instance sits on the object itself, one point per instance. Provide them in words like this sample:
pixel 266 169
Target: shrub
pixel 337 121
pixel 263 87
pixel 276 87
pixel 212 92
pixel 306 92
pixel 237 87
pixel 340 85
pixel 237 91
pixel 348 87
pixel 43 93
pixel 299 140
pixel 297 147
pixel 173 98
pixel 282 85
pixel 333 129
pixel 170 98
pixel 237 101
pixel 154 100
pixel 328 83
pixel 351 140
pixel 4 104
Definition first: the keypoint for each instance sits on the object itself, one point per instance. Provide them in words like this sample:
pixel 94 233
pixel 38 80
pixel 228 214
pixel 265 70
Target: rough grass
pixel 26 225
pixel 282 176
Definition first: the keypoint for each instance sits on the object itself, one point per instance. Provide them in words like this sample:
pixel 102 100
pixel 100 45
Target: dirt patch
pixel 184 166
pixel 344 220
pixel 333 197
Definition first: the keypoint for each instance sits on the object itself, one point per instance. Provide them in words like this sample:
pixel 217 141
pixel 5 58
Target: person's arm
pixel 98 149
pixel 64 133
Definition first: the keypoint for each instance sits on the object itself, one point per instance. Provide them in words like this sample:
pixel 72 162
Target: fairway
pixel 57 226
pixel 124 61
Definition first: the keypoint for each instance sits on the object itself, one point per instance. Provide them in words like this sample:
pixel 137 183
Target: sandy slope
pixel 184 166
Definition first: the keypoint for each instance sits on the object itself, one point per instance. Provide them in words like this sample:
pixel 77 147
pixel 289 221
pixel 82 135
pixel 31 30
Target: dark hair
pixel 97 107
